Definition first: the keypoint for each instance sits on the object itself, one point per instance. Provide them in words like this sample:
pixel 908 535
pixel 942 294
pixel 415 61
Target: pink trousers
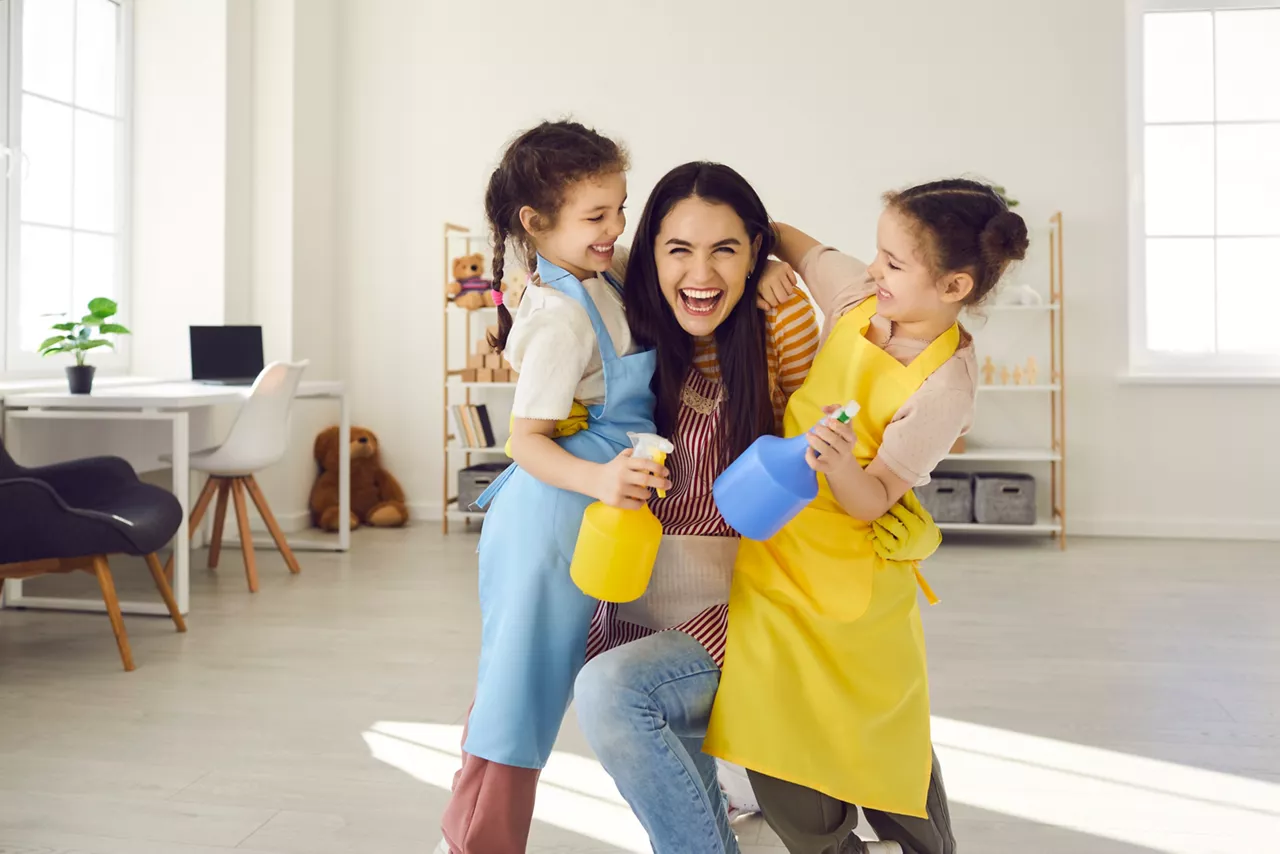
pixel 491 808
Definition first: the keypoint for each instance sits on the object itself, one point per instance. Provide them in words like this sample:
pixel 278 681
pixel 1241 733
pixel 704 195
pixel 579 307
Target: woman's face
pixel 703 256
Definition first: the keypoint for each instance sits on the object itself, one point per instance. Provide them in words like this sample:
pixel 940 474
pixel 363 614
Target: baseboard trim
pixel 1170 529
pixel 425 511
pixel 1174 529
pixel 290 523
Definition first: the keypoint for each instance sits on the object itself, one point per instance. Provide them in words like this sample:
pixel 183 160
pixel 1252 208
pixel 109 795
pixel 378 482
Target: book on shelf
pixel 486 426
pixel 472 426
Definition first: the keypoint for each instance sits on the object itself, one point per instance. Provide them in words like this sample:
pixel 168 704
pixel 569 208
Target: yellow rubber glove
pixel 907 532
pixel 576 421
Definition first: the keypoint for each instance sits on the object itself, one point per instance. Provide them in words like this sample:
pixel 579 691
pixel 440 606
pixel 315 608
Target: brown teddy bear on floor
pixel 376 496
pixel 469 289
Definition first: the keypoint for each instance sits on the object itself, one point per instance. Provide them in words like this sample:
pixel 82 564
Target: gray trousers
pixel 810 822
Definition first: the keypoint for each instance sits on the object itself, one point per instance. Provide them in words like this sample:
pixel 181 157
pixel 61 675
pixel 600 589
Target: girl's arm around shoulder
pixel 836 280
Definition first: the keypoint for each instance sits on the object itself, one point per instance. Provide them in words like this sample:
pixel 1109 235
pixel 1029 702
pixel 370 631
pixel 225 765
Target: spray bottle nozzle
pixel 847 412
pixel 651 446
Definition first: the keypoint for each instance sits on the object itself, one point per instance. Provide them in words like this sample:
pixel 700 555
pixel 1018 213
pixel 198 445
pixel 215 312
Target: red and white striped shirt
pixel 689 508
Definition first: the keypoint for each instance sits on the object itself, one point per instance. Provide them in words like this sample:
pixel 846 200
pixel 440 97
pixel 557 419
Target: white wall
pixel 235 134
pixel 822 105
pixel 179 178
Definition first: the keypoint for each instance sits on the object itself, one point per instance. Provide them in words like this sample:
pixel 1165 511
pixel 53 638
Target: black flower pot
pixel 80 378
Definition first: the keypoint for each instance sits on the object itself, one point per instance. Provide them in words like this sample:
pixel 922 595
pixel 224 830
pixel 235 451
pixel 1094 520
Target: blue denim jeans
pixel 644 708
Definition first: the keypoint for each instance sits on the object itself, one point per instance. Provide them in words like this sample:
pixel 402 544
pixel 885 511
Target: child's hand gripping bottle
pixel 764 489
pixel 616 548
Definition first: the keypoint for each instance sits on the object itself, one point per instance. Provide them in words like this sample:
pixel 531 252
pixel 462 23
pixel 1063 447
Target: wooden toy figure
pixel 1017 375
pixel 988 372
pixel 1004 375
pixel 1031 370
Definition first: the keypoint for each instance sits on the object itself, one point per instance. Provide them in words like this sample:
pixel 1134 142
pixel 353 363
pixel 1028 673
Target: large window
pixel 1205 158
pixel 67 184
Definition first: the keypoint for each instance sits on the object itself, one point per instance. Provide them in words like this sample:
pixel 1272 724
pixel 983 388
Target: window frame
pixel 14 363
pixel 1157 365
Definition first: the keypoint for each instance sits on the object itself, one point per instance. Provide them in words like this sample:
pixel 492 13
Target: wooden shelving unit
pixel 1053 387
pixel 459 240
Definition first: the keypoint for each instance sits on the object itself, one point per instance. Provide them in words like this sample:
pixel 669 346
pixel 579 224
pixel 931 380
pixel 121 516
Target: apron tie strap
pixel 924 583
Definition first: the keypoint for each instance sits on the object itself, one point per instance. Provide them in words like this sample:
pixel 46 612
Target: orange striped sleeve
pixel 794 331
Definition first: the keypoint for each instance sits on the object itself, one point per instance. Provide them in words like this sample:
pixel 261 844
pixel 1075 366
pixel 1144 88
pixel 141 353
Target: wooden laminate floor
pixel 1123 697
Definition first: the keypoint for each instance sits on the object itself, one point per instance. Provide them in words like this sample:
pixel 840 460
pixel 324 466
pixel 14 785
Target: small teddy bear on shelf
pixel 469 289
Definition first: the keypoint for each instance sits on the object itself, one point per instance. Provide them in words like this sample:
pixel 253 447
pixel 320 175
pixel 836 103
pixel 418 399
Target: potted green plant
pixel 79 338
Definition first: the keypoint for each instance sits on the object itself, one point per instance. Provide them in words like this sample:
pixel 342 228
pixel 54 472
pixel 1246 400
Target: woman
pixel 725 372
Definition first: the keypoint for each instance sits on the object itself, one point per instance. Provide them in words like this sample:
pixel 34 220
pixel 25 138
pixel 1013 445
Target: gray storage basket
pixel 948 496
pixel 1004 499
pixel 474 480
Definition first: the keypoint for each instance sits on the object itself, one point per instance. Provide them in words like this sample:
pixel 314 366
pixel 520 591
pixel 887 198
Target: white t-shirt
pixel 554 350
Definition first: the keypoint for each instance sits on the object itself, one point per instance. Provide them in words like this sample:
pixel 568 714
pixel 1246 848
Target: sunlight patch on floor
pixel 574 793
pixel 1162 806
pixel 1156 805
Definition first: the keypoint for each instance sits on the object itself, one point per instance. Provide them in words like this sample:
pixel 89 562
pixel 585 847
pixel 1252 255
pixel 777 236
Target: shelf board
pixel 484 452
pixel 459 384
pixel 1041 527
pixel 1008 455
pixel 1031 388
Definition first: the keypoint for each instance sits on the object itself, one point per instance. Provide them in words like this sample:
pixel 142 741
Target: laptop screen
pixel 226 352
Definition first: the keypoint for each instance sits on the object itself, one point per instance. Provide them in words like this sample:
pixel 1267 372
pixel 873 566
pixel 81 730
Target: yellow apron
pixel 825 682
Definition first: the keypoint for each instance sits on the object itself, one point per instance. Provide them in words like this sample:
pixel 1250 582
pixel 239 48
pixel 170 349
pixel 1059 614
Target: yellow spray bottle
pixel 617 548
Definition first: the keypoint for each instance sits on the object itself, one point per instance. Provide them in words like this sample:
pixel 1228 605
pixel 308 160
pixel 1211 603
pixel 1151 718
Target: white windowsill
pixel 1190 379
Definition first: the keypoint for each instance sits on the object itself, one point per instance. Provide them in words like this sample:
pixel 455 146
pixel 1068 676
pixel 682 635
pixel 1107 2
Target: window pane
pixel 1179 180
pixel 1177 67
pixel 1248 295
pixel 48 42
pixel 93 269
pixel 46 142
pixel 96 55
pixel 95 172
pixel 1248 64
pixel 44 285
pixel 1180 295
pixel 1249 179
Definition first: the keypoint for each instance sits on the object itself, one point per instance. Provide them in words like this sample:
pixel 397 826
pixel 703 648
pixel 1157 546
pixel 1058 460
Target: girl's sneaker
pixel 442 848
pixel 881 848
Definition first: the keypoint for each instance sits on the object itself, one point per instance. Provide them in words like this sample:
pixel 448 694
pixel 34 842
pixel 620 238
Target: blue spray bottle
pixel 766 487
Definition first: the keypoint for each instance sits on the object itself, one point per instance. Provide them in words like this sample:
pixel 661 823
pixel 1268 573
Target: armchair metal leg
pixel 166 592
pixel 264 509
pixel 103 572
pixel 246 535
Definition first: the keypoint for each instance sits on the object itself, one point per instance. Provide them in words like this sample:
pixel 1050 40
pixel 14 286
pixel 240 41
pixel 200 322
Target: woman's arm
pixel 622 482
pixel 794 329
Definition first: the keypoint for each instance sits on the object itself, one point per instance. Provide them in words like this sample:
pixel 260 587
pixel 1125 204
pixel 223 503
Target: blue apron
pixel 535 620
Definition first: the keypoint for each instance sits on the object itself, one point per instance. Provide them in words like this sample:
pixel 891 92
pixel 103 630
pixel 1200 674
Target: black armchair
pixel 72 516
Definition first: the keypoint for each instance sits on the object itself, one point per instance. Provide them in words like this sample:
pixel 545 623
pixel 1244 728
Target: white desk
pixel 171 402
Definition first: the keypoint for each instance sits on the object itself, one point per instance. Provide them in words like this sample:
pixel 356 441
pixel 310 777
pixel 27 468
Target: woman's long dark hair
pixel 740 339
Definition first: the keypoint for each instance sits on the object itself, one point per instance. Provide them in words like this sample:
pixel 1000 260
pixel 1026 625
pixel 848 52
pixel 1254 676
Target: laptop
pixel 226 355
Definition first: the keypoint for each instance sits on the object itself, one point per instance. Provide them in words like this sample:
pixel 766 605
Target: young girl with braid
pixel 558 196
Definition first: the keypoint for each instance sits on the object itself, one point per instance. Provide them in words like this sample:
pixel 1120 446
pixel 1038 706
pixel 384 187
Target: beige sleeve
pixel 924 431
pixel 837 281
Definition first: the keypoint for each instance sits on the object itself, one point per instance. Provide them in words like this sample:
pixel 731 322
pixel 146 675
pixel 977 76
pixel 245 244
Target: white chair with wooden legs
pixel 258 439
